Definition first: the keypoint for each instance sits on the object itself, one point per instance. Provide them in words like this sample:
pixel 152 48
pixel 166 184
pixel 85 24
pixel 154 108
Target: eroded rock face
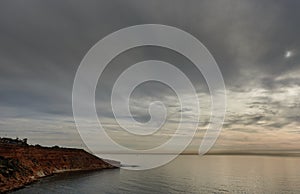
pixel 23 164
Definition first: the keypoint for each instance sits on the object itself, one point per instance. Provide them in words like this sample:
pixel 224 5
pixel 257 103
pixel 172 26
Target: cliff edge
pixel 22 164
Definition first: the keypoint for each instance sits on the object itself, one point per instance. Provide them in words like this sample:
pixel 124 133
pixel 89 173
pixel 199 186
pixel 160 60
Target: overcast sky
pixel 255 43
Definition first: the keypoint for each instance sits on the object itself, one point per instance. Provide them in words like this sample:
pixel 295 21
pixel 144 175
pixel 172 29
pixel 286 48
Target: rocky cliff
pixel 23 164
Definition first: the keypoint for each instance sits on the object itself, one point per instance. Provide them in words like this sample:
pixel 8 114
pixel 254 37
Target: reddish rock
pixel 23 164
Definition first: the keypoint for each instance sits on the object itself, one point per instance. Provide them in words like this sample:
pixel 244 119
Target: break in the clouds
pixel 255 44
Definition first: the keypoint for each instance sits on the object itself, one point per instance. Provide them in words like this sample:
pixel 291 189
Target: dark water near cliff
pixel 186 174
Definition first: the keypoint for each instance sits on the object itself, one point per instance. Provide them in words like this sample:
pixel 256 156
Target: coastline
pixel 22 164
pixel 54 174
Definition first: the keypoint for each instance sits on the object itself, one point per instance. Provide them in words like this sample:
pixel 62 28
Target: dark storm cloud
pixel 45 41
pixel 41 47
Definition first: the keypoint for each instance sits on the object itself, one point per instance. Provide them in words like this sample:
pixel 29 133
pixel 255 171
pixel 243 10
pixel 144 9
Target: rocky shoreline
pixel 22 164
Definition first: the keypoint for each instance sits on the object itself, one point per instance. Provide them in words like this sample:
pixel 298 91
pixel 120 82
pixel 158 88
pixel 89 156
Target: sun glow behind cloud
pixel 288 54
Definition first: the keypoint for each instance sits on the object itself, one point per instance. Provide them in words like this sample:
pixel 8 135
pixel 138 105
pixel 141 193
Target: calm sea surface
pixel 186 174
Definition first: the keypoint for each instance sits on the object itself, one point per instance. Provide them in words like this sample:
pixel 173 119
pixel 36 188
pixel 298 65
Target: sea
pixel 185 174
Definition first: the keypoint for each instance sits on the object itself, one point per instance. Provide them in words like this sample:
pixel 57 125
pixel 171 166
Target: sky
pixel 255 43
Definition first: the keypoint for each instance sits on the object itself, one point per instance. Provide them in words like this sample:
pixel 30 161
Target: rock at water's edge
pixel 21 164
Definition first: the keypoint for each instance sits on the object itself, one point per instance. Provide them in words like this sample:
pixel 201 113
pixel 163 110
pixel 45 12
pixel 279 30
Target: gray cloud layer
pixel 43 42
